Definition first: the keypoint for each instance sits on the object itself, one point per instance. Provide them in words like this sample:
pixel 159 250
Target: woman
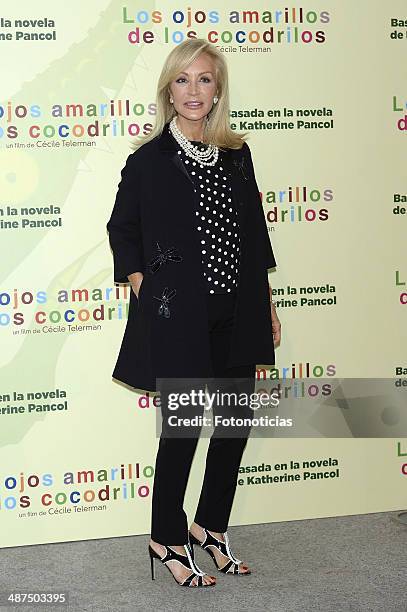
pixel 188 232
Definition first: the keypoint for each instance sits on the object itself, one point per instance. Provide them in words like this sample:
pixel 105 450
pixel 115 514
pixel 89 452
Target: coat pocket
pixel 141 290
pixel 137 299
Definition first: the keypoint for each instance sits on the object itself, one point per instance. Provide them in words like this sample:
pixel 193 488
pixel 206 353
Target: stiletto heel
pixel 152 565
pixel 231 566
pixel 187 561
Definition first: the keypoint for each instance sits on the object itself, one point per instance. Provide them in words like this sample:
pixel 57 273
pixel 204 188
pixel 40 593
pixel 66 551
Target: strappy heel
pixel 188 562
pixel 231 566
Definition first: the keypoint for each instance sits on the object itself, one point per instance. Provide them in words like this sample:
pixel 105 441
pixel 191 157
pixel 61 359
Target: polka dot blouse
pixel 216 222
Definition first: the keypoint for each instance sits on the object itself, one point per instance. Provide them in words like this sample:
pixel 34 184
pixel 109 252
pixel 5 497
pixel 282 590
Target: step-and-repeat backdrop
pixel 322 91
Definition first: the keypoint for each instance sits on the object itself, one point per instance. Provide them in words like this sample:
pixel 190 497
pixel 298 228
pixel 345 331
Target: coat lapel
pixel 168 147
pixel 233 158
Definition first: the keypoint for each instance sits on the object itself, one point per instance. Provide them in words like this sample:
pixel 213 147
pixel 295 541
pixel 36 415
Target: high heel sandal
pixel 187 562
pixel 231 566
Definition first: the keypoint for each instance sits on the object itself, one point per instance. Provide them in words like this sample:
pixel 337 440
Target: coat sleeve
pixel 124 226
pixel 270 261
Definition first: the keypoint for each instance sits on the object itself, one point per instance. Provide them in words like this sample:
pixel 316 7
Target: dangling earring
pixel 215 99
pixel 171 101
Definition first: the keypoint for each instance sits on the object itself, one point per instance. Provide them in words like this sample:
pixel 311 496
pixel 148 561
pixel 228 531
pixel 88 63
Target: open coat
pixel 152 230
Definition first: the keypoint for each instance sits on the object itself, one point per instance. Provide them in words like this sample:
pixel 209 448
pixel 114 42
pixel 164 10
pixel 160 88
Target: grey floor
pixel 351 563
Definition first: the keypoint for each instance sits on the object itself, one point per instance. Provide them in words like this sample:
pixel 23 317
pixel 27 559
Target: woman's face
pixel 193 90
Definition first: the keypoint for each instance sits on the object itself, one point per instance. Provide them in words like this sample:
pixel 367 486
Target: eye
pixel 183 79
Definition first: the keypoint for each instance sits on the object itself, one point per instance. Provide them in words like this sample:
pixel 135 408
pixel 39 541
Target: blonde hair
pixel 217 128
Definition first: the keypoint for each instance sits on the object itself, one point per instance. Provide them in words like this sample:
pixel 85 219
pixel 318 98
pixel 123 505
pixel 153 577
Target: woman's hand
pixel 136 280
pixel 275 325
pixel 275 321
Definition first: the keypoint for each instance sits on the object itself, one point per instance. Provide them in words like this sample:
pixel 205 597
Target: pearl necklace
pixel 207 157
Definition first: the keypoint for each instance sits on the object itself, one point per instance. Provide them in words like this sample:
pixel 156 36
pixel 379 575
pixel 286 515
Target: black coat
pixel 166 333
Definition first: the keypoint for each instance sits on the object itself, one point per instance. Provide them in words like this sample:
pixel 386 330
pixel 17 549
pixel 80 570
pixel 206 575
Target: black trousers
pixel 169 524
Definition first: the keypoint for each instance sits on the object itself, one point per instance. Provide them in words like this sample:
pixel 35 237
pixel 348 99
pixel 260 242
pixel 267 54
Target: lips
pixel 193 104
